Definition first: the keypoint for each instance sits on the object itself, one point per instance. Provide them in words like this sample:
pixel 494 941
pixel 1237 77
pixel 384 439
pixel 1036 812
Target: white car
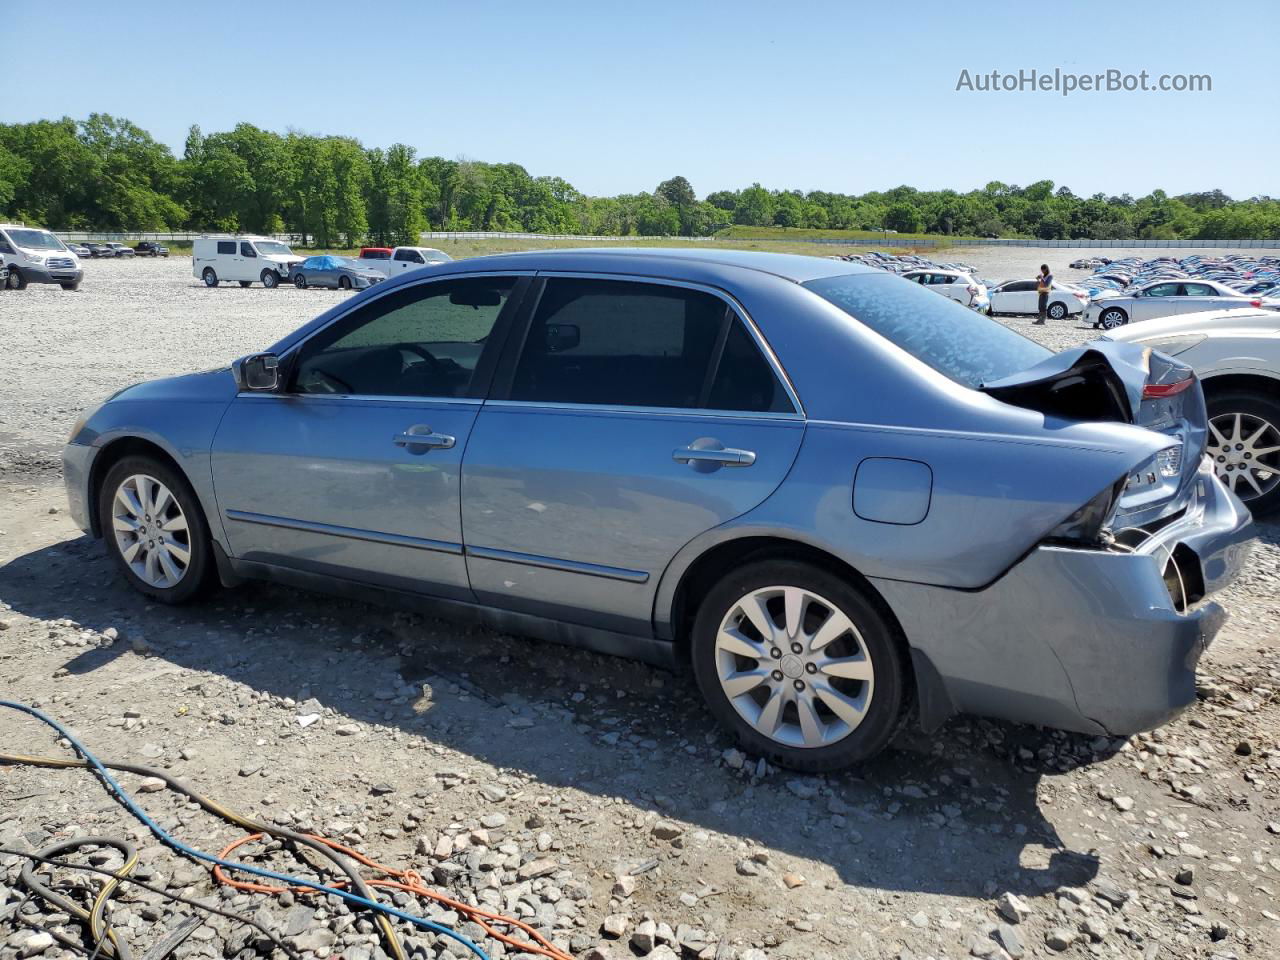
pixel 1019 296
pixel 1163 298
pixel 242 259
pixel 959 286
pixel 1236 355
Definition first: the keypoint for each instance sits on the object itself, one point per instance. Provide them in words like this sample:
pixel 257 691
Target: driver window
pixel 425 341
pixel 246 250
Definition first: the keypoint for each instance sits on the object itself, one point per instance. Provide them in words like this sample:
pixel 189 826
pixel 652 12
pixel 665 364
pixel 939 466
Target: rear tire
pixel 210 278
pixel 270 279
pixel 1112 317
pixel 1259 415
pixel 71 286
pixel 243 283
pixel 147 509
pixel 16 280
pixel 300 282
pixel 844 693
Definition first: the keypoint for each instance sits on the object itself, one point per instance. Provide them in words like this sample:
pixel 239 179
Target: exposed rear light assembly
pixel 1161 390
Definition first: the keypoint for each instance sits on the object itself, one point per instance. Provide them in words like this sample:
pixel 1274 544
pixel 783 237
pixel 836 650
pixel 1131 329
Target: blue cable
pixel 181 847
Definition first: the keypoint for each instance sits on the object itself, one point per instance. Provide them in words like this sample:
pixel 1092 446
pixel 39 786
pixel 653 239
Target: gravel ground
pixel 592 797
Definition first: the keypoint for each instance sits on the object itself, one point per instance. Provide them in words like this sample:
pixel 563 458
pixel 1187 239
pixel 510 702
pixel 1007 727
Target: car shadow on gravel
pixel 960 812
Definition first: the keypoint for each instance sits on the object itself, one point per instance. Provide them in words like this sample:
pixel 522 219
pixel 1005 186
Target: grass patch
pixel 739 232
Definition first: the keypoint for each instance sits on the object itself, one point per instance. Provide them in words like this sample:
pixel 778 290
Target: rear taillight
pixel 1255 303
pixel 1159 390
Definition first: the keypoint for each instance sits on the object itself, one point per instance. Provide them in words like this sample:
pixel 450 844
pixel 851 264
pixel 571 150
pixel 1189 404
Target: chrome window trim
pixel 363 397
pixel 729 299
pixel 646 411
pixel 348 533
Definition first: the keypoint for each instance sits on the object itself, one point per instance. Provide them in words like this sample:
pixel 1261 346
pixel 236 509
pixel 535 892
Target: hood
pixel 1247 319
pixel 211 386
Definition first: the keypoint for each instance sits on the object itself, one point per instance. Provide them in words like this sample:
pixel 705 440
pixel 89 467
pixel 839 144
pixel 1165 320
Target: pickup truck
pixel 403 259
pixel 149 248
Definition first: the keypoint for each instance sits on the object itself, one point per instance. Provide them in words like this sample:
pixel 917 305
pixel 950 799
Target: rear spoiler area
pixel 1103 380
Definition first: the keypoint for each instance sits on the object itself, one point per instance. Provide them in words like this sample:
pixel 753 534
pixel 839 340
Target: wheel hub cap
pixel 150 531
pixel 1246 453
pixel 794 666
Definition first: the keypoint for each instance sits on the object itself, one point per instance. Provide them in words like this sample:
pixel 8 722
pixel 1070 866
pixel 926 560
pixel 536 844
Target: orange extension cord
pixel 410 882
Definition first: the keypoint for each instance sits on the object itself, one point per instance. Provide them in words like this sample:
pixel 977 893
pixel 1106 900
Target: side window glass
pixel 415 257
pixel 246 250
pixel 425 341
pixel 619 343
pixel 227 246
pixel 744 380
pixel 402 255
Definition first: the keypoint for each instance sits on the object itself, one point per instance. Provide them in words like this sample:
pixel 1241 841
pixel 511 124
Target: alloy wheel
pixel 1111 319
pixel 1246 453
pixel 151 531
pixel 794 666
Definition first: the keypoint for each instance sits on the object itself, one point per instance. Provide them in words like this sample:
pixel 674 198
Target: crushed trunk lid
pixel 1128 383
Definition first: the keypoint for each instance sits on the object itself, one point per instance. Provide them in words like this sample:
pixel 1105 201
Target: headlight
pixel 1174 345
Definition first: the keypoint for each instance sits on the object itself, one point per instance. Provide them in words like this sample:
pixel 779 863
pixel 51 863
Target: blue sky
pixel 846 97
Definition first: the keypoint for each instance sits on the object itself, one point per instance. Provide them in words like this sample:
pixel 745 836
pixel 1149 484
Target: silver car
pixel 1236 354
pixel 1163 298
pixel 831 493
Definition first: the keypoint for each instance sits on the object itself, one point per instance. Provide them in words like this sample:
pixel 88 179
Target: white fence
pixel 891 240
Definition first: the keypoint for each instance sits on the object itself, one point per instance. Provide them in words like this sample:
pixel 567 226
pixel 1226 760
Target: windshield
pixel 35 240
pixel 272 247
pixel 957 342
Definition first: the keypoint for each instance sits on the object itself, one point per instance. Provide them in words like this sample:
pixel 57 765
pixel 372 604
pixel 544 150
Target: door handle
pixel 695 454
pixel 436 441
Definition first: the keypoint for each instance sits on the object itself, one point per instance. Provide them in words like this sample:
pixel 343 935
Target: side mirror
pixel 562 336
pixel 259 372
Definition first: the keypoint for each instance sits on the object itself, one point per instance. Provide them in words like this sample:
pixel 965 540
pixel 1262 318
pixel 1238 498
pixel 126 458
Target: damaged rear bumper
pixel 1092 640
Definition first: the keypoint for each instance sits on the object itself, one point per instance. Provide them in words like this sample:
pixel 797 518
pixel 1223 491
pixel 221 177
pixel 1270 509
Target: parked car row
pixel 1130 289
pixel 605 448
pixel 248 259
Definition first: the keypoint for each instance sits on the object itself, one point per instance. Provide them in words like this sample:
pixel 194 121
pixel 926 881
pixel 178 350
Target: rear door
pixel 1158 300
pixel 1203 296
pixel 353 468
pixel 629 418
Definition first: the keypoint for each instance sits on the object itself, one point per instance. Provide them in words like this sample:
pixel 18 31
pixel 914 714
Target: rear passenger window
pixel 744 380
pixel 620 343
pixel 1200 290
pixel 227 246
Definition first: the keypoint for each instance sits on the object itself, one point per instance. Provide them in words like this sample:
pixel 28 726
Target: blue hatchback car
pixel 836 495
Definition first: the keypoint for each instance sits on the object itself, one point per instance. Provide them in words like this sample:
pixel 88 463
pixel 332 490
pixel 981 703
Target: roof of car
pixel 788 266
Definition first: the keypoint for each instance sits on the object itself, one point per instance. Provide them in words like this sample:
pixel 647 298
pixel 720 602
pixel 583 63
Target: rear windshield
pixel 958 342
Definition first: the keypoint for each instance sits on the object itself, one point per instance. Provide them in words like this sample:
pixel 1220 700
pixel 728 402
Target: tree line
pixel 106 173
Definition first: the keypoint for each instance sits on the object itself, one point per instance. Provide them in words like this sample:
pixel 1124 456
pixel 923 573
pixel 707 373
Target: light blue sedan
pixel 833 494
pixel 338 273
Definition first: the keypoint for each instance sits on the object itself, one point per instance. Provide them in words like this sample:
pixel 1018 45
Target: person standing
pixel 1044 283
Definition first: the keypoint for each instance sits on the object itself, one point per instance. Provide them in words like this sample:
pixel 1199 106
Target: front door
pixel 353 468
pixel 636 416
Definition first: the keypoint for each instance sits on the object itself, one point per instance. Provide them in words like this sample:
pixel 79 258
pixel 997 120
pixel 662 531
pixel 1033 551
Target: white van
pixel 242 259
pixel 37 256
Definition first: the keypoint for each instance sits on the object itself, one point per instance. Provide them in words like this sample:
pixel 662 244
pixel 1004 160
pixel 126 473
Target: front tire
pixel 270 279
pixel 1112 317
pixel 16 280
pixel 210 278
pixel 800 665
pixel 344 283
pixel 1244 441
pixel 1057 310
pixel 155 530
